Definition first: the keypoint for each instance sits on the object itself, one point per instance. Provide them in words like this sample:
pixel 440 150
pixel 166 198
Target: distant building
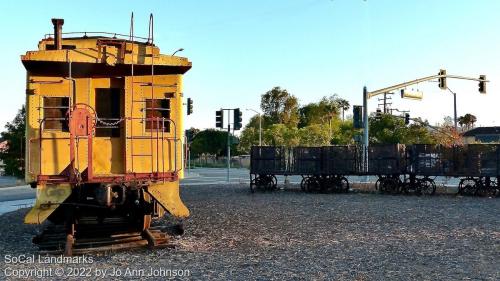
pixel 482 135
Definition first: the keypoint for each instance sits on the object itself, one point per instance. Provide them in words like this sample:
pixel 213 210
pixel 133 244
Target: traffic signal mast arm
pixel 420 80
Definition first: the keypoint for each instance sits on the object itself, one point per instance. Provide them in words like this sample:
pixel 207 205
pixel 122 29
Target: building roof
pixel 482 131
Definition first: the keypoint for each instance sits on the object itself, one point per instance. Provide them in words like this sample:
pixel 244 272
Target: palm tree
pixel 467 121
pixel 344 105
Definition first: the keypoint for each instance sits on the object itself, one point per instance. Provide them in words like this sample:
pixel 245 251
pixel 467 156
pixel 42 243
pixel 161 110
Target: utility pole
pixel 385 102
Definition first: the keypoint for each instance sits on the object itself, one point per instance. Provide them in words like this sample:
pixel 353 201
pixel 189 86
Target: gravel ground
pixel 233 234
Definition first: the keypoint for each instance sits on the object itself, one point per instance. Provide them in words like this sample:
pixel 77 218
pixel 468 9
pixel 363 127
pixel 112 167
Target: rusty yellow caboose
pixel 104 127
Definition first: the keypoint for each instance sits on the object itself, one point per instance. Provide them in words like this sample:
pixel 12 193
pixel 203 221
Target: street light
pixel 454 107
pixel 260 124
pixel 178 50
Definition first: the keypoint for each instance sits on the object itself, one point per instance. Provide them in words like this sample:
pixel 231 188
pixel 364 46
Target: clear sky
pixel 312 48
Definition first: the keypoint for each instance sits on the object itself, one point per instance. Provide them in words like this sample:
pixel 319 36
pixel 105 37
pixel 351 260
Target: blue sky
pixel 312 48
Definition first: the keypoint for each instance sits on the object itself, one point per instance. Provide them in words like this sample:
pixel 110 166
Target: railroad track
pixel 91 235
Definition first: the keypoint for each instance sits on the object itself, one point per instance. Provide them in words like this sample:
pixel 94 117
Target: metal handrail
pixel 163 138
pixel 163 119
pixel 84 33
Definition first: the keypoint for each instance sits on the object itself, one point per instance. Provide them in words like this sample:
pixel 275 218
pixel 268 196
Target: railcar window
pixel 54 112
pixel 156 109
pixel 107 107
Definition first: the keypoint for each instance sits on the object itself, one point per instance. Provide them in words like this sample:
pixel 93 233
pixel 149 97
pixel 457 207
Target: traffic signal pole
pixel 441 76
pixel 365 131
pixel 228 148
pixel 219 123
pixel 424 79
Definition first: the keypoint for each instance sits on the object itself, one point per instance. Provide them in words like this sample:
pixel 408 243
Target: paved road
pixel 15 197
pixel 7 181
pixel 193 177
pixel 12 198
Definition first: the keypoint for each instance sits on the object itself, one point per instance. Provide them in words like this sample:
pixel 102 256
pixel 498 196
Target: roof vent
pixel 58 23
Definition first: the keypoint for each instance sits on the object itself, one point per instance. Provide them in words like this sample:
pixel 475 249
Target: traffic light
pixel 407 118
pixel 189 135
pixel 189 106
pixel 237 119
pixel 379 113
pixel 357 114
pixel 442 80
pixel 219 119
pixel 482 84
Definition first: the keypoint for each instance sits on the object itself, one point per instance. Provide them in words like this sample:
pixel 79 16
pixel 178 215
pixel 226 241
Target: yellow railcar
pixel 104 128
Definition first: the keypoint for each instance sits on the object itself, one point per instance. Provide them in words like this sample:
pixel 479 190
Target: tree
pixel 13 155
pixel 447 135
pixel 192 132
pixel 389 129
pixel 344 105
pixel 280 107
pixel 249 137
pixel 343 132
pixel 314 135
pixel 281 135
pixel 448 121
pixel 212 142
pixel 311 114
pixel 467 121
pixel 322 112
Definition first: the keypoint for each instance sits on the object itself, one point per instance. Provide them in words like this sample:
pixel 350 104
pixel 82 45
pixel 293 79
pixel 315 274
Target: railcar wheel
pixel 268 183
pixel 312 184
pixel 467 186
pixel 252 185
pixel 324 184
pixel 262 182
pixel 377 183
pixel 258 182
pixel 406 187
pixel 303 184
pixel 486 190
pixel 392 185
pixel 427 186
pixel 381 185
pixel 344 185
pixel 275 182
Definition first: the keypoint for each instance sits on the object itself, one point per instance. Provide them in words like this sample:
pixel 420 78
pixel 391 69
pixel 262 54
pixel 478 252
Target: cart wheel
pixel 311 184
pixel 486 191
pixel 467 186
pixel 392 186
pixel 428 186
pixel 275 182
pixel 269 183
pixel 261 182
pixel 461 187
pixel 381 185
pixel 303 184
pixel 405 187
pixel 377 183
pixel 344 185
